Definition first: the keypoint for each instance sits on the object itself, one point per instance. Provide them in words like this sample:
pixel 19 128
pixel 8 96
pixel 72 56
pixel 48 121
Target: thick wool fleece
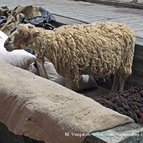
pixel 97 49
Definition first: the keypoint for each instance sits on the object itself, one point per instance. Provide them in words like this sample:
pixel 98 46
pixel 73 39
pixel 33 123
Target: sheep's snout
pixel 7 45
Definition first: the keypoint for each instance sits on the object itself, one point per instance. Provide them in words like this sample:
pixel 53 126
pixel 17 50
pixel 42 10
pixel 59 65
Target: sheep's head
pixel 21 38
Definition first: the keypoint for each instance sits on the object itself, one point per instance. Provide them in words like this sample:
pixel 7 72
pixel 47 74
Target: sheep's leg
pixel 41 69
pixel 121 84
pixel 115 83
pixel 69 82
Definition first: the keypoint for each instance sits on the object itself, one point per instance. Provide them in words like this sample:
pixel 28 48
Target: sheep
pixel 98 49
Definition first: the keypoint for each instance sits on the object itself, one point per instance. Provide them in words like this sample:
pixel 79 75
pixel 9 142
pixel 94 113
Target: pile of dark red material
pixel 129 103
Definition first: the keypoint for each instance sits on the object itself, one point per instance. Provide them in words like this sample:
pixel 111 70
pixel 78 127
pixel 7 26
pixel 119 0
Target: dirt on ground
pixel 129 103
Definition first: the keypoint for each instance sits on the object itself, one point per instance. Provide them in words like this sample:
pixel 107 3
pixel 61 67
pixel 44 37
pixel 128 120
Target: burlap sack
pixel 43 110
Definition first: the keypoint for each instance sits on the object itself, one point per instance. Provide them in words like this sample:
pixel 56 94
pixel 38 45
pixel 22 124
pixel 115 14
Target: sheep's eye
pixel 14 29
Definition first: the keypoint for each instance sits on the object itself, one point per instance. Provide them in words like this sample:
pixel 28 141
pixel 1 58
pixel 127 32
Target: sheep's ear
pixel 35 33
pixel 20 27
pixel 30 26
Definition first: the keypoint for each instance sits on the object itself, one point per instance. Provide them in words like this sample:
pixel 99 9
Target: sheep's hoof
pixel 120 92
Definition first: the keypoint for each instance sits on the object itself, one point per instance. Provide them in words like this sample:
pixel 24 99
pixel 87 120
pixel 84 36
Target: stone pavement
pixel 88 12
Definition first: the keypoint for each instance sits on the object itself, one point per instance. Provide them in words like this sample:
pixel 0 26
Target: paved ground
pixel 89 12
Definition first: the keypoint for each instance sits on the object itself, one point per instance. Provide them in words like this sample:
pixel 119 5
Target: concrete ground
pixel 88 12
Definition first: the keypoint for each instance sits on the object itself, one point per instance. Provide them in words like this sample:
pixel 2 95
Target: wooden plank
pixel 139 41
pixel 67 21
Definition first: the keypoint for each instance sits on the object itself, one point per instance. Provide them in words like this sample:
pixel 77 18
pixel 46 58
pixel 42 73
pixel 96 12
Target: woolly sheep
pixel 98 49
